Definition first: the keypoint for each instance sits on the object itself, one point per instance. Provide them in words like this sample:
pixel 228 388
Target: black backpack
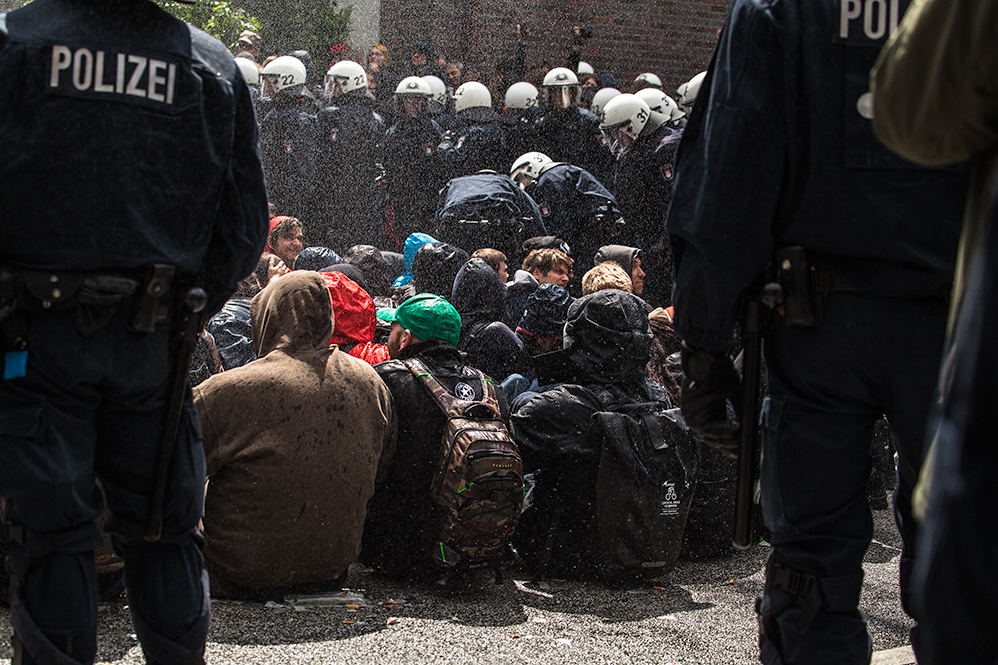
pixel 647 475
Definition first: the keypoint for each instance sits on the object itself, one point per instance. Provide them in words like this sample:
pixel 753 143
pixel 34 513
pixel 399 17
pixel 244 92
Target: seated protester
pixel 287 493
pixel 545 266
pixel 606 349
pixel 665 342
pixel 606 275
pixel 402 287
pixel 205 361
pixel 541 329
pixel 435 266
pixel 350 271
pixel 495 259
pixel 284 239
pixel 315 258
pixel 231 328
pixel 397 539
pixel 370 261
pixel 488 344
pixel 268 268
pixel 542 325
pixel 354 320
pixel 628 258
pixel 395 265
pixel 664 362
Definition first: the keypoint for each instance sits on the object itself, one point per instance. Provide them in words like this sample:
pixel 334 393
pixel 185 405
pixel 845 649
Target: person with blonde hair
pixel 606 275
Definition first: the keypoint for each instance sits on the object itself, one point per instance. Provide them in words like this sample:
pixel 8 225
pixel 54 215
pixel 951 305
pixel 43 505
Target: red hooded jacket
pixel 354 320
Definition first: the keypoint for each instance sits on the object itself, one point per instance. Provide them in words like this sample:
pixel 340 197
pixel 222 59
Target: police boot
pixel 793 603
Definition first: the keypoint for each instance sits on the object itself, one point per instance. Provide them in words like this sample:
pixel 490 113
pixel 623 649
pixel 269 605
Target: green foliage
pixel 313 25
pixel 285 25
pixel 219 18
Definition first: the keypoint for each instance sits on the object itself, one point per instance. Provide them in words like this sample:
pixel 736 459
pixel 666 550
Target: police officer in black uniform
pixel 129 170
pixel 347 205
pixel 779 166
pixel 288 137
pixel 567 133
pixel 645 146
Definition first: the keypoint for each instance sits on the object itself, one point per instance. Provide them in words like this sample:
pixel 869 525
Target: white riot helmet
pixel 521 95
pixel 249 70
pixel 623 118
pixel 472 95
pixel 413 95
pixel 561 88
pixel 438 89
pixel 584 68
pixel 283 73
pixel 688 91
pixel 602 96
pixel 650 79
pixel 527 168
pixel 345 76
pixel 661 105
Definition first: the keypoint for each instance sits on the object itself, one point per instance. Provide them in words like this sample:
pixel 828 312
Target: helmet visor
pixel 618 138
pixel 561 97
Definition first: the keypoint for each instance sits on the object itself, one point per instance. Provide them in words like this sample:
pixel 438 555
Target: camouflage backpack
pixel 478 482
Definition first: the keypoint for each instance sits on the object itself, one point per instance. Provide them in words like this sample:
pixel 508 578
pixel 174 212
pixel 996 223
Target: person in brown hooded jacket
pixel 295 442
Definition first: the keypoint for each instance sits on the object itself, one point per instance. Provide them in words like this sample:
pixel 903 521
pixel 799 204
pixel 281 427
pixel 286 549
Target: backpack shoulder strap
pixel 446 401
pixel 449 403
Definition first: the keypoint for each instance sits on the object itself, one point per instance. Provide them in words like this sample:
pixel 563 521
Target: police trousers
pixel 870 356
pixel 87 408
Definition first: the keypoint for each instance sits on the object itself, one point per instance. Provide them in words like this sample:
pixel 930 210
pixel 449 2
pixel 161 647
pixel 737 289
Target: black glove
pixel 709 380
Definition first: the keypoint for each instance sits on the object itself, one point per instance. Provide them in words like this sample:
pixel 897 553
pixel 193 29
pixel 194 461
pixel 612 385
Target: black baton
pixel 187 327
pixel 754 316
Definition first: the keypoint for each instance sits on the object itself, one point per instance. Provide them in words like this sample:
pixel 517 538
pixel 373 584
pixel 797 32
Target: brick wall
pixel 673 38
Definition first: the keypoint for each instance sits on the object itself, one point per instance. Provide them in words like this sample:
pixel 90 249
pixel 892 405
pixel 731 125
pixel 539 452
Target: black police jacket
pixel 778 152
pixel 350 137
pixel 128 138
pixel 643 183
pixel 568 197
pixel 573 136
pixel 288 140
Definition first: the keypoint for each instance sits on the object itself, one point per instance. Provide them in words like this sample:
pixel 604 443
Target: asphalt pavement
pixel 701 613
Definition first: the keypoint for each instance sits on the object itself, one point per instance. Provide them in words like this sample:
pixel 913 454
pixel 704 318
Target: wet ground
pixel 702 613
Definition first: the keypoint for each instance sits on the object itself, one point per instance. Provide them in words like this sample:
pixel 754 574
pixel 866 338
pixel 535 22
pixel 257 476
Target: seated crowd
pixel 312 451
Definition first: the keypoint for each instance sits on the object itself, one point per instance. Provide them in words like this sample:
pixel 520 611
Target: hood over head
pixel 478 293
pixel 546 310
pixel 435 267
pixel 607 336
pixel 354 320
pixel 409 249
pixel 315 258
pixel 294 313
pixel 353 272
pixel 370 261
pixel 622 255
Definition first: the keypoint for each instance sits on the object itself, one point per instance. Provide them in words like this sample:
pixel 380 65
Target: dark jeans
pixel 94 408
pixel 870 356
